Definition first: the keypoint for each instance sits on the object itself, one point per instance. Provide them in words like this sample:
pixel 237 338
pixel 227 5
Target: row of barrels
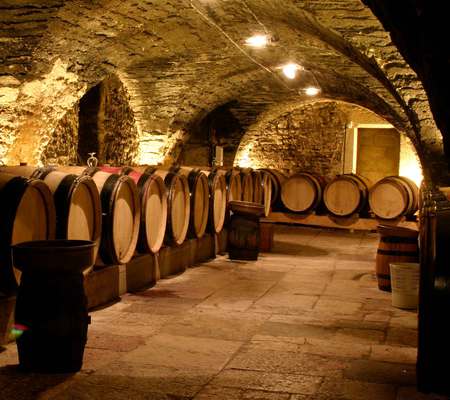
pixel 121 209
pixel 345 195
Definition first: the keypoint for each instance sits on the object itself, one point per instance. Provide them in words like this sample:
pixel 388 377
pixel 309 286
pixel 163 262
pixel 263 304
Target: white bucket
pixel 405 284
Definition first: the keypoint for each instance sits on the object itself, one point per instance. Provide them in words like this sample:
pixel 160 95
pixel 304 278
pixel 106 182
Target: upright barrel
pixel 393 197
pixel 28 213
pixel 121 216
pixel 396 244
pixel 199 200
pixel 302 192
pixel 346 195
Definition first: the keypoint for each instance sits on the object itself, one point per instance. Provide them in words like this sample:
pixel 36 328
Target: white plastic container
pixel 405 279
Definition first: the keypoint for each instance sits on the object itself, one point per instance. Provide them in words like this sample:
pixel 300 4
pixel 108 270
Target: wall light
pixel 290 70
pixel 312 91
pixel 257 41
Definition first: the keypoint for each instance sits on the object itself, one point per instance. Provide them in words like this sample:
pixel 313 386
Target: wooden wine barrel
pixel 247 186
pixel 302 192
pixel 77 202
pixel 267 192
pixel 393 197
pixel 153 200
pixel 199 203
pixel 120 216
pixel 234 185
pixel 346 195
pixel 277 178
pixel 258 189
pixel 217 200
pixel 396 245
pixel 244 230
pixel 178 204
pixel 28 213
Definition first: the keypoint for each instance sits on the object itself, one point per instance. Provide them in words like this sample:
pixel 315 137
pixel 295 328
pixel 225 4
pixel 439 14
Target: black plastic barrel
pixel 51 306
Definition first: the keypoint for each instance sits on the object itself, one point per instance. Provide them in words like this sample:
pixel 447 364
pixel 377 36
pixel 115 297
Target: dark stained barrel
pixel 244 230
pixel 396 245
pixel 52 305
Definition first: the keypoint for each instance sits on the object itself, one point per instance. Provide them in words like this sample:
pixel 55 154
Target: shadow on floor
pixel 292 248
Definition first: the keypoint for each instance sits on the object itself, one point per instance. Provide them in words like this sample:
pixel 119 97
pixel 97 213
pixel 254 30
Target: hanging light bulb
pixel 257 41
pixel 290 70
pixel 312 91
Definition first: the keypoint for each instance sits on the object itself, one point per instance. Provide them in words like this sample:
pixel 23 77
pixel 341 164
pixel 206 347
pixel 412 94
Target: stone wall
pixel 310 138
pixel 62 148
pixel 118 135
pixel 101 122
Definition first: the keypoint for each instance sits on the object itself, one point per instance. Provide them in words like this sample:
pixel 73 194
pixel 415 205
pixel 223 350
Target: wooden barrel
pixel 217 200
pixel 396 245
pixel 77 202
pixel 28 213
pixel 120 216
pixel 247 186
pixel 277 178
pixel 393 197
pixel 199 200
pixel 258 189
pixel 244 230
pixel 346 195
pixel 234 185
pixel 178 204
pixel 302 192
pixel 153 200
pixel 267 192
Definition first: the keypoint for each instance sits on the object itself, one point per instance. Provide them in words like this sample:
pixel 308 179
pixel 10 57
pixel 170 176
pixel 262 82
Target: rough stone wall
pixel 309 138
pixel 62 147
pixel 101 122
pixel 118 135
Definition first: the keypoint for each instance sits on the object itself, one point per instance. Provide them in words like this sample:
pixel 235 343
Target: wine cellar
pixel 220 199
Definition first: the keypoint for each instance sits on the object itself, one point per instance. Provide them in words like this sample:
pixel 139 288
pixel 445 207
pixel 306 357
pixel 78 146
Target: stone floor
pixel 304 322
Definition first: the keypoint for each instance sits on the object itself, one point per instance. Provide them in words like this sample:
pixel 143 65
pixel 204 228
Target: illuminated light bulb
pixel 312 91
pixel 257 41
pixel 290 70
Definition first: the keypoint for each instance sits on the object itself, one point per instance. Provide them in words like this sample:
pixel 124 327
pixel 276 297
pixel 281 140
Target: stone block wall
pixel 310 138
pixel 101 122
pixel 62 147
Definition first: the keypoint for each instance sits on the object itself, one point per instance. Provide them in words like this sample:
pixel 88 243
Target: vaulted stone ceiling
pixel 180 59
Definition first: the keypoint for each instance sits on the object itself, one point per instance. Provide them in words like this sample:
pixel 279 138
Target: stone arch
pixel 102 121
pixel 313 136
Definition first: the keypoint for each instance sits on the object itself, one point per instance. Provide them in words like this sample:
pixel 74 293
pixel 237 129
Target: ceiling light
pixel 290 70
pixel 312 91
pixel 257 41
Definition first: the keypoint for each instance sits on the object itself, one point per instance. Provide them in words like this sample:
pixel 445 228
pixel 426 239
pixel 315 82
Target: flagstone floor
pixel 305 322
